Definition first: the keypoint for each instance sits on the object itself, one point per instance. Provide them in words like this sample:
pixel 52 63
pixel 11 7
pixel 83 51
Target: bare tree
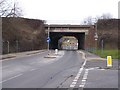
pixel 90 20
pixel 106 16
pixel 9 9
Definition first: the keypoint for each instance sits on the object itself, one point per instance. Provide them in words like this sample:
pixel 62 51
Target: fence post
pixel 8 45
pixel 102 44
pixel 16 45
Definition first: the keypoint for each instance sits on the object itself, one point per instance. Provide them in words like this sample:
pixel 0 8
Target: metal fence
pixel 18 46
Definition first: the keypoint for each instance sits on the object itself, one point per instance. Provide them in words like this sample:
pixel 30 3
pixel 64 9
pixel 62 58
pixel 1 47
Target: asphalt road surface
pixel 68 70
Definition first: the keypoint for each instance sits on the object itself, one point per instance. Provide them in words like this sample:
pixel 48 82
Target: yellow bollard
pixel 109 61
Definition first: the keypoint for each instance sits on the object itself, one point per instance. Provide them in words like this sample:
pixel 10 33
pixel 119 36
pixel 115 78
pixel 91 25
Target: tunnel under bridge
pixel 83 33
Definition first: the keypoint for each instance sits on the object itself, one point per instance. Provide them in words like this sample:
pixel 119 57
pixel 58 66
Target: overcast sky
pixel 67 11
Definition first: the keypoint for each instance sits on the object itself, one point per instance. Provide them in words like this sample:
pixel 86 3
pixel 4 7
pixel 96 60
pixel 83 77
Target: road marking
pixel 78 75
pixel 72 86
pixel 83 54
pixel 84 78
pixel 93 68
pixel 73 83
pixel 83 83
pixel 11 78
pixel 81 69
pixel 75 80
pixel 33 69
pixel 81 86
pixel 102 69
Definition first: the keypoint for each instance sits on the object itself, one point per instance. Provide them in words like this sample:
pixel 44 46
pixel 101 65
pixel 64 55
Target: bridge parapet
pixel 70 30
pixel 84 34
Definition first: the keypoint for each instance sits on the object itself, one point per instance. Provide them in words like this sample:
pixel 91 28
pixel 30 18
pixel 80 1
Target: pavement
pixel 93 60
pixel 91 56
pixel 19 54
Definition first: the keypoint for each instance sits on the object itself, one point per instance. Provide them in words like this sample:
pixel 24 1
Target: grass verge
pixel 104 53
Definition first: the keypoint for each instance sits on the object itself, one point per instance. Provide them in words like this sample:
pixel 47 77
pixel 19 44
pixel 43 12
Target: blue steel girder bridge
pixel 84 33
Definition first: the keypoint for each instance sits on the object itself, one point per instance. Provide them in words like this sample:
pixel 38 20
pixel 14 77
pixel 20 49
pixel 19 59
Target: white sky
pixel 67 11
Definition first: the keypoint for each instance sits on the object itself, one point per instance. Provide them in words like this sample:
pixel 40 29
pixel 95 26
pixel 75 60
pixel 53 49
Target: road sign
pixel 109 61
pixel 48 39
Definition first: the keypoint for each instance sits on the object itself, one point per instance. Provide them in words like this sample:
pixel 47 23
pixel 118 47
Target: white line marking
pixel 72 86
pixel 84 78
pixel 91 68
pixel 83 83
pixel 73 83
pixel 80 71
pixel 77 76
pixel 83 54
pixel 94 68
pixel 83 64
pixel 11 78
pixel 81 86
pixel 102 69
pixel 32 69
pixel 75 80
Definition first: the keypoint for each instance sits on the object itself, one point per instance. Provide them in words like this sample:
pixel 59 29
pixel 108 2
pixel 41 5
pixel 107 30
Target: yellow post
pixel 109 61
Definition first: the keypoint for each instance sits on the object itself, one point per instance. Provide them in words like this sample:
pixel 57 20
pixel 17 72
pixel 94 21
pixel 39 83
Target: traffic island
pixel 51 55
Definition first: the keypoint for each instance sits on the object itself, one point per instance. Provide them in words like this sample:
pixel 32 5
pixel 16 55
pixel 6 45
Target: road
pixel 68 70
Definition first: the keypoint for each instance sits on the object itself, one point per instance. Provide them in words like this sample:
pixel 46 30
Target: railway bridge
pixel 84 33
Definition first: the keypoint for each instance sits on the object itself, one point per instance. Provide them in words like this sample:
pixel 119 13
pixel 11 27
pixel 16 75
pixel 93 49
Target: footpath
pixel 20 54
pixel 96 61
pixel 91 56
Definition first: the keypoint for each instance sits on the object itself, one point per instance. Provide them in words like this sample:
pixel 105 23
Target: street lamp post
pixel 96 36
pixel 48 36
